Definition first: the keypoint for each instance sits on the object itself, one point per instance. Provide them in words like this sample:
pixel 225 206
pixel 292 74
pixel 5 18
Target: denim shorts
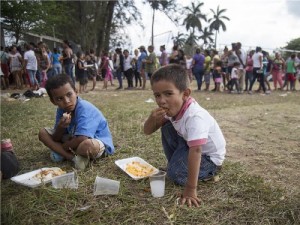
pixel 176 151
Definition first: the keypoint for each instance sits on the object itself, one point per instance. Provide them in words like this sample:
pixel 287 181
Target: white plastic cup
pixel 104 186
pixel 157 184
pixel 68 180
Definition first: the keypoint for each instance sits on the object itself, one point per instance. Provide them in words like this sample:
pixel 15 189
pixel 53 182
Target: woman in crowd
pixel 258 70
pixel 224 59
pixel 174 55
pixel 68 63
pixel 136 72
pixel 141 64
pixel 163 59
pixel 249 69
pixel 277 69
pixel 30 64
pixel 198 67
pixel 15 63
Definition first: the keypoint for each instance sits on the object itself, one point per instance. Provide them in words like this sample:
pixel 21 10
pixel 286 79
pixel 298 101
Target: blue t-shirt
pixel 199 61
pixel 88 121
pixel 55 58
pixel 140 64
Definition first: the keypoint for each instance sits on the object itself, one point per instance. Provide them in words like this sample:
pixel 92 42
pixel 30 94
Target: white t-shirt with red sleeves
pixel 199 128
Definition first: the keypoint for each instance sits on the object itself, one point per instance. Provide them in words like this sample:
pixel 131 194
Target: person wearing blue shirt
pixel 80 132
pixel 56 65
pixel 141 64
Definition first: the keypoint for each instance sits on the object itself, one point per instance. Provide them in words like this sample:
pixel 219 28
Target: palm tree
pixel 206 36
pixel 216 21
pixel 179 39
pixel 162 5
pixel 194 16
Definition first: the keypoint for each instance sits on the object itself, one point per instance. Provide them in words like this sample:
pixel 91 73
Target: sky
pixel 266 23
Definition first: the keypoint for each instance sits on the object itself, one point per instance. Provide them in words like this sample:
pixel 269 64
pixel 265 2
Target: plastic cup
pixel 104 186
pixel 157 184
pixel 68 180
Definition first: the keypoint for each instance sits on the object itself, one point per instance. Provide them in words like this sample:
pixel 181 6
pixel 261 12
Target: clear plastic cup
pixel 104 186
pixel 157 184
pixel 68 180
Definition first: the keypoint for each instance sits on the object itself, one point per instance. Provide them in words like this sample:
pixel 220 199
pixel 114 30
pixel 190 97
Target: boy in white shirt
pixel 192 140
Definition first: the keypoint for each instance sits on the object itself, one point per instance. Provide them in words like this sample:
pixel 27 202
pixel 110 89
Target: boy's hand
pixel 189 197
pixel 65 120
pixel 158 114
pixel 154 121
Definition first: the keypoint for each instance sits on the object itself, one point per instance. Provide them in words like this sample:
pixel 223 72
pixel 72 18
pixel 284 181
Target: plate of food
pixel 38 177
pixel 136 167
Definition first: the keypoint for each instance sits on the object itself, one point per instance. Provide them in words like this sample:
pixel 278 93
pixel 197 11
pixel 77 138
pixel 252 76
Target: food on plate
pixel 67 115
pixel 47 174
pixel 138 169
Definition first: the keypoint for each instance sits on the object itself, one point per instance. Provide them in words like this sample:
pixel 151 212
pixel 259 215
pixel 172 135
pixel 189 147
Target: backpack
pixel 30 94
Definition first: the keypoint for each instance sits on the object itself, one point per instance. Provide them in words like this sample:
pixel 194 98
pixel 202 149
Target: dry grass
pixel 259 183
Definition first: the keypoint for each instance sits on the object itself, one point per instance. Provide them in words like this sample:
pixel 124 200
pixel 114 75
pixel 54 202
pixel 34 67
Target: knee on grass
pixel 88 148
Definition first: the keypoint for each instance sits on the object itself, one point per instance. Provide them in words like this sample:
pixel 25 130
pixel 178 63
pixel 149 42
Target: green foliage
pixel 194 17
pixel 217 21
pixel 21 16
pixel 293 44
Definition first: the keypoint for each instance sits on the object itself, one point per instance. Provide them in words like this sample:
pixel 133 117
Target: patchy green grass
pixel 259 183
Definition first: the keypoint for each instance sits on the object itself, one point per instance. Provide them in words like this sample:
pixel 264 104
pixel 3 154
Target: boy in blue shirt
pixel 80 132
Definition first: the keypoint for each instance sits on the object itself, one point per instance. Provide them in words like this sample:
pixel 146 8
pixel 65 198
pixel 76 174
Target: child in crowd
pixel 188 65
pixel 235 76
pixel 192 139
pixel 107 68
pixel 80 132
pixel 81 73
pixel 217 74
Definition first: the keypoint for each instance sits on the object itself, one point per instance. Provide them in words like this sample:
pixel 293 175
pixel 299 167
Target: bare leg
pixel 94 83
pixel 89 148
pixel 47 140
pixel 144 79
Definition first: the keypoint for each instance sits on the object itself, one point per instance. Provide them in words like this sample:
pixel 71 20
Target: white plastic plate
pixel 121 163
pixel 29 179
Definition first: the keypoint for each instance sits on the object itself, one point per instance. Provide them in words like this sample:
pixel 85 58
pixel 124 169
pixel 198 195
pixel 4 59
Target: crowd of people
pixel 233 70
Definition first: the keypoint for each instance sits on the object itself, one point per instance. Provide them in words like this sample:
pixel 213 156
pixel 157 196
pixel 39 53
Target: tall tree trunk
pixel 109 17
pixel 216 39
pixel 152 32
pixel 101 27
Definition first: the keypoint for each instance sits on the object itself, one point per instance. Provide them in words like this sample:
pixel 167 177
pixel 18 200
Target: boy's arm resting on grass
pixel 155 121
pixel 189 195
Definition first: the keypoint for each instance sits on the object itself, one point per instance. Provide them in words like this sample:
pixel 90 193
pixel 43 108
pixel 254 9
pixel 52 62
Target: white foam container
pixel 122 163
pixel 29 179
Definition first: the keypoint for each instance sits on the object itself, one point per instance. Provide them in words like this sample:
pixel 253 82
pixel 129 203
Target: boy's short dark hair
pixel 173 73
pixel 58 81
